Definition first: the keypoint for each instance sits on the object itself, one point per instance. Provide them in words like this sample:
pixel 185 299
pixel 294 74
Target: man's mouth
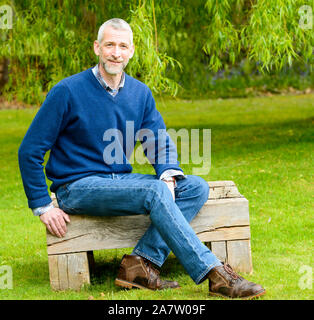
pixel 115 62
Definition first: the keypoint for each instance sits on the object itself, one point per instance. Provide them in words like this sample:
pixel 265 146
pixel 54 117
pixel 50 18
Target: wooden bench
pixel 223 224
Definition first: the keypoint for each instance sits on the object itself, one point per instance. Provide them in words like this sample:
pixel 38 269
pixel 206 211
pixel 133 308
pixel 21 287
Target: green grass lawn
pixel 265 145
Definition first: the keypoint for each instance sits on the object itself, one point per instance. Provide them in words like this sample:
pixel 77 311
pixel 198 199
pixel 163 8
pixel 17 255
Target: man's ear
pixel 96 47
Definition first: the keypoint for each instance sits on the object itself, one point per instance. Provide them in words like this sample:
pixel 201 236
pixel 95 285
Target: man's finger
pixel 57 228
pixel 49 229
pixel 54 229
pixel 62 224
pixel 66 217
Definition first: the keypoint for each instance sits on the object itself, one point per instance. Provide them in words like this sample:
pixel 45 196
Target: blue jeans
pixel 119 194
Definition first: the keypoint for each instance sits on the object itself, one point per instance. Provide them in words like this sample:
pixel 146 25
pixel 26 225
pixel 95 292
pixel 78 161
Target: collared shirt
pixel 104 84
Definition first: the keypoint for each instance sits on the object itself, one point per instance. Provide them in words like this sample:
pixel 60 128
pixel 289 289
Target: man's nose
pixel 116 51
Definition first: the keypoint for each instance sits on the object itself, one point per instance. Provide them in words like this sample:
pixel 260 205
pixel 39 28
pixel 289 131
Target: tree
pixel 178 43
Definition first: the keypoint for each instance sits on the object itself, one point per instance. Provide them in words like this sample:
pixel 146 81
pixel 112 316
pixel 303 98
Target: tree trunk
pixel 4 72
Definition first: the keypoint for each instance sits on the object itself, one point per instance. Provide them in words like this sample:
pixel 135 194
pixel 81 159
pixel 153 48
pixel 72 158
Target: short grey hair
pixel 115 23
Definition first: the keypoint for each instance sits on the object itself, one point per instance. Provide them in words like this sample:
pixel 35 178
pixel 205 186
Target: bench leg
pixel 69 271
pixel 235 252
pixel 239 255
pixel 219 249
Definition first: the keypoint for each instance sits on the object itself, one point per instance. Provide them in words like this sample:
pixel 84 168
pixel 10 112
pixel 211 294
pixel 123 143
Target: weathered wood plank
pixel 53 272
pixel 78 270
pixel 222 213
pixel 224 183
pixel 221 234
pixel 224 192
pixel 219 249
pixel 63 272
pixel 223 189
pixel 239 255
pixel 94 233
pixel 95 241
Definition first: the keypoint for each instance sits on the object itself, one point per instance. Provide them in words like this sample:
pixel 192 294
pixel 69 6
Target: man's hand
pixel 170 184
pixel 55 220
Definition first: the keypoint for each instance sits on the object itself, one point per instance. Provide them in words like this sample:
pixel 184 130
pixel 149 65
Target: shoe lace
pixel 150 266
pixel 230 271
pixel 153 272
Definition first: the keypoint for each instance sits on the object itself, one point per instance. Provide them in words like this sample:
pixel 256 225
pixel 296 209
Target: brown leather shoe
pixel 223 281
pixel 139 272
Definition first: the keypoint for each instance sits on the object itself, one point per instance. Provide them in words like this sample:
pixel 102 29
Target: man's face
pixel 115 50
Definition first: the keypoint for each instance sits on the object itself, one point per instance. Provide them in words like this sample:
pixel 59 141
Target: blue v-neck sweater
pixel 77 123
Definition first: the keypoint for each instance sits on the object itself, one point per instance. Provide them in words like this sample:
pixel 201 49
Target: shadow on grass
pixel 106 269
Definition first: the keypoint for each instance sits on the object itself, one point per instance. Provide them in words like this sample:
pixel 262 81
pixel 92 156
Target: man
pixel 73 124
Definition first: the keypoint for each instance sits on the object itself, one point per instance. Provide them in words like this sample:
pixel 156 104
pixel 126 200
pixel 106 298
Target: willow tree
pixel 178 43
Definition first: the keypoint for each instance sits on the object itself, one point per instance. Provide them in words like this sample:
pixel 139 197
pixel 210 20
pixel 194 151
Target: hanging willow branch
pixel 148 64
pixel 177 41
pixel 155 26
pixel 271 36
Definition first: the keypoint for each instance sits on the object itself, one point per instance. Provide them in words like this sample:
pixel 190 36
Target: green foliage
pixel 232 40
pixel 266 31
pixel 180 45
pixel 148 64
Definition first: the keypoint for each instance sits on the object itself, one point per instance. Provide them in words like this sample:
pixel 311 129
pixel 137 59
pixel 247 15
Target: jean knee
pixel 200 186
pixel 159 189
pixel 156 194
